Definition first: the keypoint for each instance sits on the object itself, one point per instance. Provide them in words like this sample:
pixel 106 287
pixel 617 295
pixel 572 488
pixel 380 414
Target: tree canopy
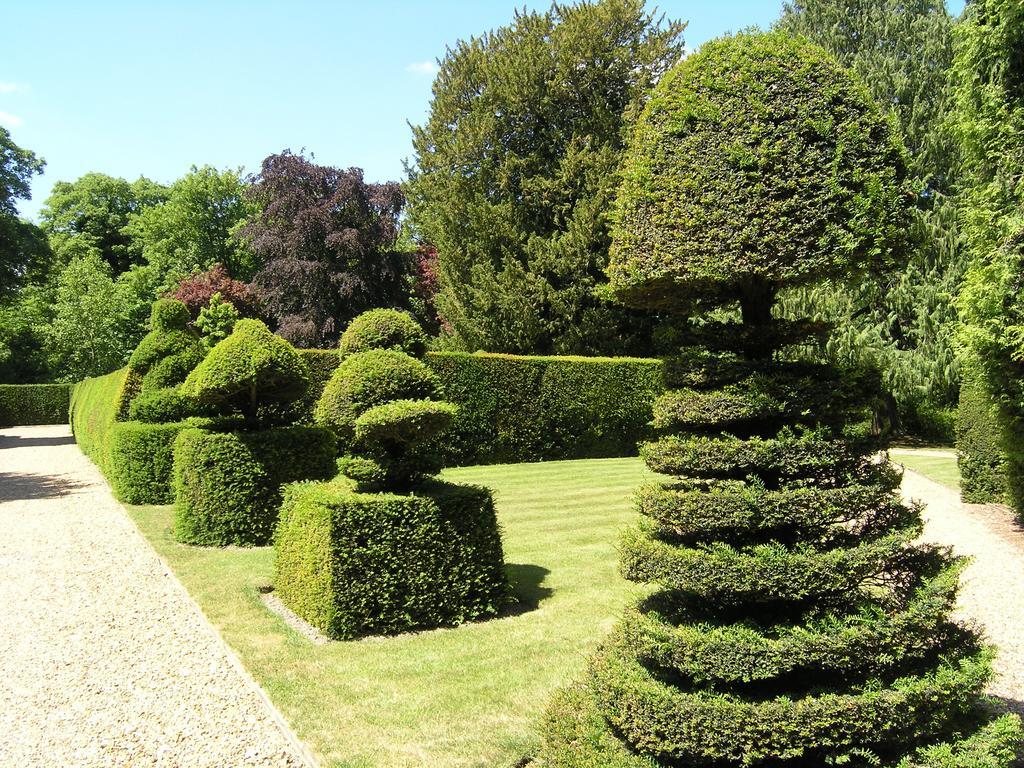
pixel 516 167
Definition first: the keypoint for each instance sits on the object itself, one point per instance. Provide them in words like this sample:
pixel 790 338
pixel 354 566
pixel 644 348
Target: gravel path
pixel 104 659
pixel 992 588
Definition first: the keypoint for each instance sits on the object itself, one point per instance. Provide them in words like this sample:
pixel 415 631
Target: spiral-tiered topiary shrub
pixel 796 621
pixel 169 352
pixel 390 548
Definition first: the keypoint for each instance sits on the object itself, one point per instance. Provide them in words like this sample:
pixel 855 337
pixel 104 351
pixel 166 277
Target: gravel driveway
pixel 992 587
pixel 104 659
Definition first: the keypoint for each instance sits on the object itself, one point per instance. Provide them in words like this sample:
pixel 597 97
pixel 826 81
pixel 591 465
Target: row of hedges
pixel 514 408
pixel 96 404
pixel 27 404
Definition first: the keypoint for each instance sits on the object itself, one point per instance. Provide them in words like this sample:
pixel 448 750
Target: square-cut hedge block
pixel 354 564
pixel 227 485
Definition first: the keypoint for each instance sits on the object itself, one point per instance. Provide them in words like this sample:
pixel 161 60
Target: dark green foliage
pixel 142 459
pixel 23 404
pixel 795 619
pixel 384 329
pixel 515 170
pixel 170 351
pixel 983 467
pixel 808 178
pixel 539 408
pixel 354 564
pixel 95 405
pixel 367 379
pixel 165 405
pixel 250 369
pixel 227 485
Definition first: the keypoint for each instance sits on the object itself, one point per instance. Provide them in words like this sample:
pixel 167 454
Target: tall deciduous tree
pixel 192 229
pixel 327 240
pixel 22 247
pixel 902 322
pixel 90 216
pixel 516 167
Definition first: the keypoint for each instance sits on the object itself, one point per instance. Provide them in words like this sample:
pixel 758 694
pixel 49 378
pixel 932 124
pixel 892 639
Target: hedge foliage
pixel 983 465
pixel 805 175
pixel 383 329
pixel 354 564
pixel 228 484
pixel 27 404
pixel 96 404
pixel 169 352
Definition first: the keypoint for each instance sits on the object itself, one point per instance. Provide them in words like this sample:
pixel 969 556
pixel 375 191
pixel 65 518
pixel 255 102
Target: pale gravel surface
pixel 104 659
pixel 992 588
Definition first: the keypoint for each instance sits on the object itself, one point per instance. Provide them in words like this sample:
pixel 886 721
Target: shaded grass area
pixel 469 696
pixel 941 469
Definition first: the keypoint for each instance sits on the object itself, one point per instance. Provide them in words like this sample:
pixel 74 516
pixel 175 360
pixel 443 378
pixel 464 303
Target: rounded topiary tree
pixel 383 329
pixel 795 621
pixel 169 352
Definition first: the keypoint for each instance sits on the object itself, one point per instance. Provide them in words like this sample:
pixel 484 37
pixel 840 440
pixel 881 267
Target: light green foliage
pixel 34 404
pixel 22 249
pixel 250 368
pixel 516 167
pixel 989 121
pixel 902 323
pixel 96 404
pixel 92 331
pixel 217 320
pixel 807 175
pixel 169 352
pixel 383 329
pixel 89 216
pixel 191 230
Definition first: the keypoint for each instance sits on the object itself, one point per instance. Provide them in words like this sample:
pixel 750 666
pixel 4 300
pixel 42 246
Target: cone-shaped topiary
pixel 796 620
pixel 381 404
pixel 383 329
pixel 250 368
pixel 169 352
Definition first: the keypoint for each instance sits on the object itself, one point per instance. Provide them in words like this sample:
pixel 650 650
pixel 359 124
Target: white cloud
pixel 12 87
pixel 423 68
pixel 11 121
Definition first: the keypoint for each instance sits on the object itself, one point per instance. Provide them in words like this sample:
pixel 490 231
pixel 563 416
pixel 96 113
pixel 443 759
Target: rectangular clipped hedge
pixel 983 463
pixel 27 404
pixel 95 405
pixel 516 408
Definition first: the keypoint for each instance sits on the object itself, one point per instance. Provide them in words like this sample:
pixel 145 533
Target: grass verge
pixel 942 469
pixel 469 696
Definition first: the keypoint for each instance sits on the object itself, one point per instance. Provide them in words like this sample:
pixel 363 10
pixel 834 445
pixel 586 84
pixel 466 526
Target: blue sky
pixel 151 88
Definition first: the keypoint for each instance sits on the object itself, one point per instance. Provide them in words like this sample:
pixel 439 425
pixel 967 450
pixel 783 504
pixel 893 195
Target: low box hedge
pixel 514 408
pixel 227 485
pixel 983 463
pixel 28 404
pixel 353 564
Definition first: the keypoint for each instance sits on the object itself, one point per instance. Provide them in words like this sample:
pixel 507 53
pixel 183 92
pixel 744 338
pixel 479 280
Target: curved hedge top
pixel 384 329
pixel 169 315
pixel 758 160
pixel 250 368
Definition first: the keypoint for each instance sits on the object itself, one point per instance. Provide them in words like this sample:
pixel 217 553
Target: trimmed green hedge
pixel 516 408
pixel 353 564
pixel 95 405
pixel 983 465
pixel 26 404
pixel 228 484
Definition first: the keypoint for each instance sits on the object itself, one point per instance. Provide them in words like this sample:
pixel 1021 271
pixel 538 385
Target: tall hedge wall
pixel 514 408
pixel 95 405
pixel 983 466
pixel 25 404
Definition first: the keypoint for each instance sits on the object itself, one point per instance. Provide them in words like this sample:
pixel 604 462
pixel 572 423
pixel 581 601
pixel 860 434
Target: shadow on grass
pixel 16 486
pixel 16 441
pixel 527 587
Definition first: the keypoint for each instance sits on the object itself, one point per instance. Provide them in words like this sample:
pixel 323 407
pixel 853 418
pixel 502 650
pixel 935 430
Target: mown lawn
pixel 941 469
pixel 469 696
